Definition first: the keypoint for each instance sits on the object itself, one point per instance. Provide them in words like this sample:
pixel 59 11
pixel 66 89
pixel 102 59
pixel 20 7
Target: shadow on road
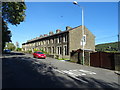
pixel 13 53
pixel 24 72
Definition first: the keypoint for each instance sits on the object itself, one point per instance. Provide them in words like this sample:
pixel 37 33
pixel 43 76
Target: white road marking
pixel 58 71
pixel 70 74
pixel 87 72
pixel 78 73
pixel 62 60
pixel 37 62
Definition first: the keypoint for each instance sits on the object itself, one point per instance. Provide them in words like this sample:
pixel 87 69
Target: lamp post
pixel 82 28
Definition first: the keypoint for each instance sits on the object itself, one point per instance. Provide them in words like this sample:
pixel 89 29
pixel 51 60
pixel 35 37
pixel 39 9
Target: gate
pixel 103 60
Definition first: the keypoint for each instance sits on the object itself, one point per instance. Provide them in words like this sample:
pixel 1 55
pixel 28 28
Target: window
pixel 41 43
pixel 49 49
pixel 53 50
pixel 65 50
pixel 52 40
pixel 44 42
pixel 48 42
pixel 65 38
pixel 59 39
pixel 60 50
pixel 45 49
pixel 37 43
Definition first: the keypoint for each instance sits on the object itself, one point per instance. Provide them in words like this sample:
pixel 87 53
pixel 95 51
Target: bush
pixel 112 51
pixel 63 59
pixel 28 51
pixel 18 49
pixel 41 51
pixel 36 50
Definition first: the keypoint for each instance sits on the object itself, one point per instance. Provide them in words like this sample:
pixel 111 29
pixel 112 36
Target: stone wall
pixel 75 37
pixel 77 58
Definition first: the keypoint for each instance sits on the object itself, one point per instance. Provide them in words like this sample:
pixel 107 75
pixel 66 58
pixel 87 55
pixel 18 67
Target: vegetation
pixel 44 52
pixel 10 46
pixel 6 34
pixel 18 49
pixel 41 51
pixel 107 47
pixel 63 59
pixel 13 13
pixel 28 51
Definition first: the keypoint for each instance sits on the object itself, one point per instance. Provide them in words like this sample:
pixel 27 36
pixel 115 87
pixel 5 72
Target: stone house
pixel 62 42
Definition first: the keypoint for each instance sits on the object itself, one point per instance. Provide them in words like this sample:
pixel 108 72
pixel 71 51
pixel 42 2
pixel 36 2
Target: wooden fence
pixel 98 59
pixel 103 60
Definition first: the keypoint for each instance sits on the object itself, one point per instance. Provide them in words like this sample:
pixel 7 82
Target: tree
pixel 10 46
pixel 18 49
pixel 13 13
pixel 6 34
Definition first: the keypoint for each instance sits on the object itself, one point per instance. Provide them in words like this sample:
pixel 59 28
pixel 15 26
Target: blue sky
pixel 101 18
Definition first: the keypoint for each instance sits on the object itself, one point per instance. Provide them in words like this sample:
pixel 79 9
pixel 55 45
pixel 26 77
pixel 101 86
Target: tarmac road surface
pixel 23 71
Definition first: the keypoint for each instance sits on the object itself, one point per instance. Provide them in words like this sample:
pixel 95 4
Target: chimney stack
pixel 41 36
pixel 67 28
pixel 45 35
pixel 51 33
pixel 58 31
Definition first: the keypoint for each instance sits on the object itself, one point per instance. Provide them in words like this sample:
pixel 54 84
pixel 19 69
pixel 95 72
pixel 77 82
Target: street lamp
pixel 75 2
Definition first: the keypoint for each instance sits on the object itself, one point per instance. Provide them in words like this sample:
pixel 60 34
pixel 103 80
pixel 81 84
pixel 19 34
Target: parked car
pixel 7 51
pixel 39 54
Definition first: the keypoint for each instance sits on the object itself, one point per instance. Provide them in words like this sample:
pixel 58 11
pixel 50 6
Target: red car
pixel 39 54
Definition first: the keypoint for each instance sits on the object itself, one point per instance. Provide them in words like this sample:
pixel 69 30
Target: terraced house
pixel 62 42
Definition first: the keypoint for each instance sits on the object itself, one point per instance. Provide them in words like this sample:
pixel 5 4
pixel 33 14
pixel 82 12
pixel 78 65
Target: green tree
pixel 18 49
pixel 13 13
pixel 6 34
pixel 10 46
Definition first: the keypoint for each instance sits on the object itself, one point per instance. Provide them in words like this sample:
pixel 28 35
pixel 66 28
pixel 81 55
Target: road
pixel 23 71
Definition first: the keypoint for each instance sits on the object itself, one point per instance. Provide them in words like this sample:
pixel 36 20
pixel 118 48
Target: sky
pixel 101 18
